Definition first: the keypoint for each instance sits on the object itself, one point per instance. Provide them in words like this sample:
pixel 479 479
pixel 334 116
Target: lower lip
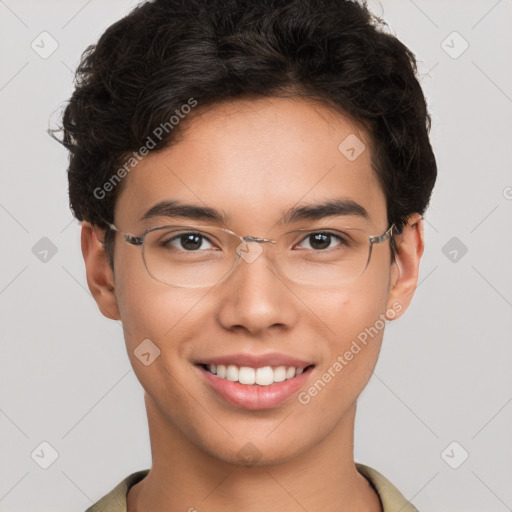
pixel 255 396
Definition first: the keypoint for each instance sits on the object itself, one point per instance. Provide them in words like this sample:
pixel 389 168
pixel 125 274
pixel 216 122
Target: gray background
pixel 444 373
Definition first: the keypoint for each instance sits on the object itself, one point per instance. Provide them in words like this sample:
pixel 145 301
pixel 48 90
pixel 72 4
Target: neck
pixel 183 477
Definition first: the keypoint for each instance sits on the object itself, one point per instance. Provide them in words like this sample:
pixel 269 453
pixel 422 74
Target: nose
pixel 254 297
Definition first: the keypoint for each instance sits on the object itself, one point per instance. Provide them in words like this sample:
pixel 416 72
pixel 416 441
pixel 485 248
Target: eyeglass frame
pixel 139 241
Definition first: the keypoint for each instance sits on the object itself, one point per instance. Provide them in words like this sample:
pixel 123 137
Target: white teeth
pixel 232 373
pixel 264 376
pixel 246 375
pixel 290 373
pixel 279 374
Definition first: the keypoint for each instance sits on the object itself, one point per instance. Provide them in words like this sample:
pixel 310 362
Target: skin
pixel 252 159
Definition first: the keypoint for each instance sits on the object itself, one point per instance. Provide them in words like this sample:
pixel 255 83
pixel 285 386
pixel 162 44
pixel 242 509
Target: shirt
pixel 391 498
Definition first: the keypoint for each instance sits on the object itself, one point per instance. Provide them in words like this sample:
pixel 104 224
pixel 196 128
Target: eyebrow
pixel 329 208
pixel 173 208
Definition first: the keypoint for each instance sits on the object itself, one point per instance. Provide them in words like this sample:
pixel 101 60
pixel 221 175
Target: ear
pixel 100 277
pixel 404 273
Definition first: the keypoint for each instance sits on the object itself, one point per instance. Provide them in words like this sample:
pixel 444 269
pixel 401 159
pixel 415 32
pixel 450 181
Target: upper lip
pixel 257 361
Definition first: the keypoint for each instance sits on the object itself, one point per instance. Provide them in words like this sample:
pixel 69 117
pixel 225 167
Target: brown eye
pixel 321 240
pixel 190 241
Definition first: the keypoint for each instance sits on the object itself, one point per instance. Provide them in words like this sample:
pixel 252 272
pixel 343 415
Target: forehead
pixel 253 159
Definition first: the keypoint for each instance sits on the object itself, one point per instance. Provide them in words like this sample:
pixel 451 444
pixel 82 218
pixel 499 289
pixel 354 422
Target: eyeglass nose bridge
pixel 258 240
pixel 244 251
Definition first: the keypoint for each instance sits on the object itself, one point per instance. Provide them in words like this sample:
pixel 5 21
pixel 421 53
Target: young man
pixel 250 177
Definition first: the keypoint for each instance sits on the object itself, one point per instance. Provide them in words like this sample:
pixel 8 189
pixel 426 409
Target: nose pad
pixel 249 250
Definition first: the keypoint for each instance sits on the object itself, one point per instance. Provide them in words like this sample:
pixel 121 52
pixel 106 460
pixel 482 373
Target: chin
pixel 257 453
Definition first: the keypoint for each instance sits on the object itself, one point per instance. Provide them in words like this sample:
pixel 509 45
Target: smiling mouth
pixel 262 376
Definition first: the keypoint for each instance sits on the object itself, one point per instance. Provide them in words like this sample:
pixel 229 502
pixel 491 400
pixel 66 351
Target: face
pixel 252 161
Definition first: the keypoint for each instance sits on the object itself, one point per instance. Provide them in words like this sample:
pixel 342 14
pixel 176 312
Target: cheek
pixel 165 315
pixel 168 317
pixel 349 312
pixel 160 326
pixel 356 324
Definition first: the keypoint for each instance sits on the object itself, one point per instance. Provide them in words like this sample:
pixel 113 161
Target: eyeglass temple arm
pixel 134 240
pixel 382 238
pixel 377 240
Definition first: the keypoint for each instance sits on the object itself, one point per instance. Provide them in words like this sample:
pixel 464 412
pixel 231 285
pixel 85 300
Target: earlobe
pixel 100 277
pixel 404 273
